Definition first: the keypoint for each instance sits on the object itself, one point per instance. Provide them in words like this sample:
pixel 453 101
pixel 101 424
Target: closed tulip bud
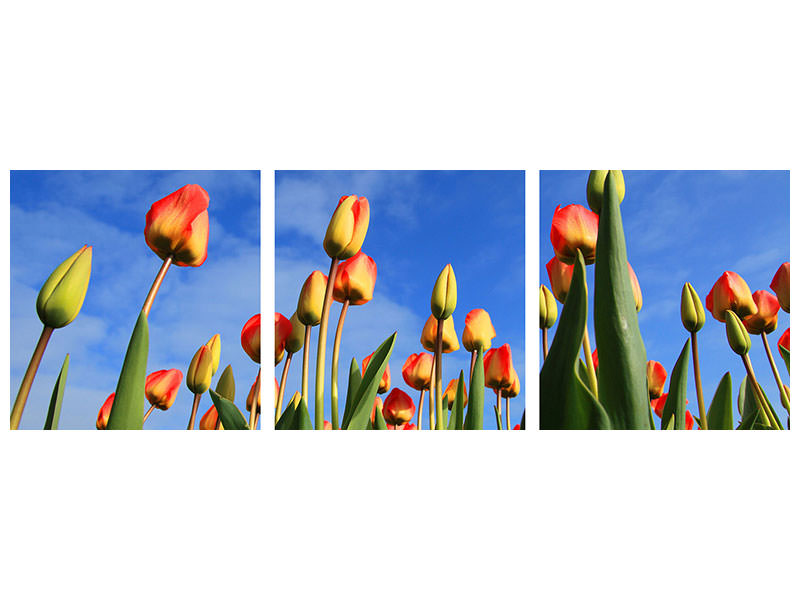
pixel 693 316
pixel 161 387
pixel 327 426
pixel 376 406
pixel 398 409
pixel 784 340
pixel 780 285
pixel 226 386
pixel 443 298
pixel 296 339
pixel 738 338
pixel 208 421
pixel 656 378
pixel 105 412
pixel 450 391
pixel 177 226
pixel 347 228
pixel 478 330
pixel 548 310
pixel 254 394
pixel 198 376
pixel 283 329
pixel 574 228
pixel 386 380
pixel 449 337
pixel 312 297
pixel 355 280
pixel 730 292
pixel 637 291
pixel 498 368
pixel 513 391
pixel 61 297
pixel 417 371
pixel 251 335
pixel 765 319
pixel 560 278
pixel 596 185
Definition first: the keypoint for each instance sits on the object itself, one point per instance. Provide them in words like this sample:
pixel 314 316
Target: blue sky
pixel 53 213
pixel 691 226
pixel 419 222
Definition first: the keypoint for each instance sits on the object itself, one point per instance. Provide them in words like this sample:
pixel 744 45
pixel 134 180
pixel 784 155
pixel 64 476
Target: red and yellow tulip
pixel 730 292
pixel 780 285
pixel 347 228
pixel 177 226
pixel 574 228
pixel 161 387
pixel 478 330
pixel 355 280
pixel 398 408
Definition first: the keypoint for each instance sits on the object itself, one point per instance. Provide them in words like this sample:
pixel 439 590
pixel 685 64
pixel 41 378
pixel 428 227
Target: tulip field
pixel 149 382
pixel 659 288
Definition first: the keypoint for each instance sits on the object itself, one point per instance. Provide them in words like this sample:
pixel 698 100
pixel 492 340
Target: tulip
pixel 444 296
pixel 105 412
pixel 386 379
pixel 161 388
pixel 693 316
pixel 516 427
pixel 355 280
pixel 209 420
pixel 252 333
pixel 326 425
pixel 784 341
pixel 417 373
pixel 656 378
pixel 449 395
pixel 595 360
pixel 312 298
pixel 780 285
pixel 765 319
pixel 347 228
pixel 657 404
pixel 376 406
pixel 294 343
pixel 574 229
pixel 548 312
pixel 398 409
pixel 198 376
pixel 730 292
pixel 596 184
pixel 499 371
pixel 449 337
pixel 215 345
pixel 637 291
pixel 478 330
pixel 560 275
pixel 689 421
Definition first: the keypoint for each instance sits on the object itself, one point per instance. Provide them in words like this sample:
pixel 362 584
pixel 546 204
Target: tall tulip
pixel 309 313
pixel 443 303
pixel 386 379
pixel 161 389
pixel 105 412
pixel 656 378
pixel 449 337
pixel 398 408
pixel 693 317
pixel 478 333
pixel 765 321
pixel 780 285
pixel 574 228
pixel 730 292
pixel 499 371
pixel 417 373
pixel 198 376
pixel 560 275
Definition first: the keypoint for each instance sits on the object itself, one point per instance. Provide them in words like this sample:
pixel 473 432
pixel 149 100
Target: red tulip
pixel 637 291
pixel 209 419
pixel 177 226
pixel 417 371
pixel 780 285
pixel 283 329
pixel 657 404
pixel 161 387
pixel 105 412
pixel 689 420
pixel 478 330
pixel 326 425
pixel 355 280
pixel 560 278
pixel 656 378
pixel 251 336
pixel 398 409
pixel 730 292
pixel 574 228
pixel 386 380
pixel 765 318
pixel 516 427
pixel 784 339
pixel 407 426
pixel 498 368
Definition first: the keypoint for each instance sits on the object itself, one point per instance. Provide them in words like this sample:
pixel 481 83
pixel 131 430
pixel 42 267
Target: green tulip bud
pixel 738 338
pixel 693 315
pixel 226 386
pixel 61 297
pixel 443 298
pixel 595 185
pixel 548 310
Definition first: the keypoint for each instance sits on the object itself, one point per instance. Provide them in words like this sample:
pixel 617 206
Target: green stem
pixel 319 404
pixel 696 363
pixel 304 384
pixel 587 353
pixel 508 415
pixel 775 373
pixel 282 388
pixel 439 415
pixel 431 396
pixel 472 360
pixel 335 366
pixel 30 373
pixel 195 404
pixel 757 392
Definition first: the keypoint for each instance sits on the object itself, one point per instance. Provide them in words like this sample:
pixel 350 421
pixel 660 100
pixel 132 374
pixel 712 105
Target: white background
pixel 369 85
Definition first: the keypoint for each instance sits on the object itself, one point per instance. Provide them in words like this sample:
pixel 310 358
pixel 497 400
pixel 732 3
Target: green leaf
pixel 458 412
pixel 451 421
pixel 127 411
pixel 785 354
pixel 352 388
pixel 720 413
pixel 288 417
pixel 302 420
pixel 380 423
pixel 752 416
pixel 230 416
pixel 622 380
pixel 675 406
pixel 522 422
pixel 368 388
pixel 497 416
pixel 474 420
pixel 54 410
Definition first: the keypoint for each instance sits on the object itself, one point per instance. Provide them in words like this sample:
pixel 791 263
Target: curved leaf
pixel 287 418
pixel 458 412
pixel 54 410
pixel 352 387
pixel 474 419
pixel 674 408
pixel 230 416
pixel 785 355
pixel 127 411
pixel 720 413
pixel 368 388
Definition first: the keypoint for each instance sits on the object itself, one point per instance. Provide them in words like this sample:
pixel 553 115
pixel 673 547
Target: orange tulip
pixel 689 420
pixel 449 337
pixel 637 291
pixel 399 408
pixel 386 380
pixel 513 390
pixel 177 226
pixel 355 280
pixel 255 393
pixel 730 292
pixel 209 419
pixel 784 341
pixel 161 387
pixel 347 228
pixel 780 285
pixel 251 334
pixel 765 318
pixel 656 378
pixel 326 425
pixel 406 427
pixel 498 368
pixel 417 371
pixel 105 412
pixel 450 391
pixel 574 228
pixel 560 278
pixel 478 330
pixel 312 297
pixel 377 405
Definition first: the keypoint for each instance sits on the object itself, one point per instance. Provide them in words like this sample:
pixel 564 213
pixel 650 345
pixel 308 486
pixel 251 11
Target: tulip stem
pixel 696 363
pixel 335 366
pixel 306 343
pixel 254 407
pixel 587 353
pixel 195 404
pixel 319 404
pixel 282 389
pixel 775 373
pixel 508 415
pixel 757 392
pixel 431 395
pixel 151 295
pixel 419 411
pixel 147 414
pixel 544 343
pixel 30 373
pixel 473 358
pixel 499 411
pixel 439 415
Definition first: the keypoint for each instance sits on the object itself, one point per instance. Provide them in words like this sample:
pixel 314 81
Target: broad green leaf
pixel 622 380
pixel 127 411
pixel 230 416
pixel 497 416
pixel 352 387
pixel 458 410
pixel 365 396
pixel 752 415
pixel 475 408
pixel 720 413
pixel 675 406
pixel 785 354
pixel 288 417
pixel 54 410
pixel 302 420
pixel 451 421
pixel 379 424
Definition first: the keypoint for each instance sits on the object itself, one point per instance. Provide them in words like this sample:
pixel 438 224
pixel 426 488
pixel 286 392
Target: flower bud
pixel 513 390
pixel 656 378
pixel 161 387
pixel 478 330
pixel 443 298
pixel 637 291
pixel 177 226
pixel 730 292
pixel 254 394
pixel 296 339
pixel 386 379
pixel 498 368
pixel 347 228
pixel 215 345
pixel 450 391
pixel 560 278
pixel 283 329
pixel 61 297
pixel 574 228
pixel 198 376
pixel 312 297
pixel 780 285
pixel 596 185
pixel 398 409
pixel 784 340
pixel 226 386
pixel 355 280
pixel 693 316
pixel 548 310
pixel 738 338
pixel 209 419
pixel 449 337
pixel 105 412
pixel 417 371
pixel 765 319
